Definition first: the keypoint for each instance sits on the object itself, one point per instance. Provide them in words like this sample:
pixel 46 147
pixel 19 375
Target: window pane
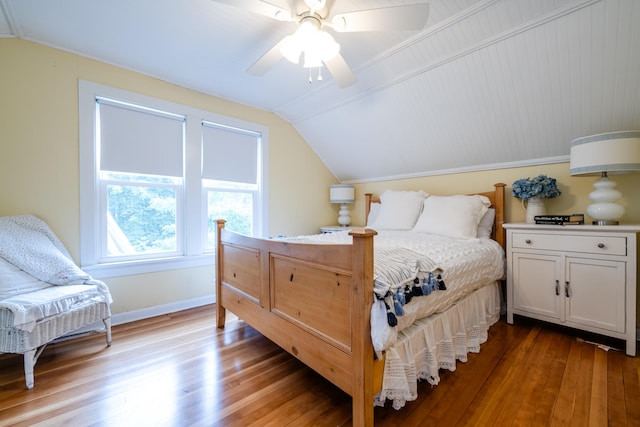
pixel 229 154
pixel 140 140
pixel 235 207
pixel 141 220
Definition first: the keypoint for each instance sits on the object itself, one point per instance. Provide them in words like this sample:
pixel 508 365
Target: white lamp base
pixel 604 211
pixel 344 219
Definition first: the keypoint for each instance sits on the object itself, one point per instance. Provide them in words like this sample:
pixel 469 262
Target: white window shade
pixel 140 141
pixel 229 154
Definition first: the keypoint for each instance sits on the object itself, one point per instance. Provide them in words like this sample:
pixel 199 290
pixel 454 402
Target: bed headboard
pixel 496 196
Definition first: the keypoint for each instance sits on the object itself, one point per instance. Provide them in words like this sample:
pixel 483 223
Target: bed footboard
pixel 312 300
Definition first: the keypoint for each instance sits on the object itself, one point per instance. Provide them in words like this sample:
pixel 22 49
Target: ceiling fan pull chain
pixel 310 77
pixel 320 73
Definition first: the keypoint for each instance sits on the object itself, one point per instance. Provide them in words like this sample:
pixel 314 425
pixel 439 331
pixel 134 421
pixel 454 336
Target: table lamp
pixel 342 194
pixel 604 154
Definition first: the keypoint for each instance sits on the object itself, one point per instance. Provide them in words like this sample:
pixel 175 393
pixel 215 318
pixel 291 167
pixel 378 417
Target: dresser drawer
pixel 571 243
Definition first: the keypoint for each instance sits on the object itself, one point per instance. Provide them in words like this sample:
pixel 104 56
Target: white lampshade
pixel 342 194
pixel 603 154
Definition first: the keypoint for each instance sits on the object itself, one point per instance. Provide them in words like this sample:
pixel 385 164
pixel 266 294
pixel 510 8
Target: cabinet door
pixel 596 293
pixel 536 285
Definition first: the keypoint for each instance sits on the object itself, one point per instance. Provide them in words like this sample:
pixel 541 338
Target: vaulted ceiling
pixel 486 84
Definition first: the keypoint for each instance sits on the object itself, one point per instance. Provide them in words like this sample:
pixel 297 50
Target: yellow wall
pixel 574 198
pixel 39 170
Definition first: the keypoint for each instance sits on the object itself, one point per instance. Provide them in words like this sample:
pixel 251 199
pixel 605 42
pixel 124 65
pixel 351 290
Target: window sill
pixel 117 269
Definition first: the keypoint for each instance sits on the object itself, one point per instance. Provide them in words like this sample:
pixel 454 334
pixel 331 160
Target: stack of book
pixel 560 219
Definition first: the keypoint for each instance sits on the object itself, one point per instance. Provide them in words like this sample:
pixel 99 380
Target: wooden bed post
pixel 220 310
pixel 499 206
pixel 361 346
pixel 367 206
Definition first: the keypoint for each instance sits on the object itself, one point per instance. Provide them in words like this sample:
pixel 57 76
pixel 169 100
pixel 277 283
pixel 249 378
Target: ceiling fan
pixel 316 45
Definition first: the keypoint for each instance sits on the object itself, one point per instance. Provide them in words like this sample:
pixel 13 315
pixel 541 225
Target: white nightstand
pixel 580 276
pixel 336 228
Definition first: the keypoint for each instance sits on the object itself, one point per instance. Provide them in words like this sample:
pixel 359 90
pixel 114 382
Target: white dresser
pixel 580 276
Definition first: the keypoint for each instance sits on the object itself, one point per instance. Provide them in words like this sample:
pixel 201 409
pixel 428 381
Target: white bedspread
pixel 466 265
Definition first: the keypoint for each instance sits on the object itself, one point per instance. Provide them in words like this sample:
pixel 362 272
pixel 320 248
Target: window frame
pixel 195 252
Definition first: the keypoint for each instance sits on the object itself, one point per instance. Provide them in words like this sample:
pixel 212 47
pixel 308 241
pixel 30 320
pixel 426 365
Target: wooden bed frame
pixel 314 301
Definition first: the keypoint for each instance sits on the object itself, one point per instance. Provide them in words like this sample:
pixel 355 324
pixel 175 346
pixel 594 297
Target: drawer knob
pixel 601 245
pixel 528 241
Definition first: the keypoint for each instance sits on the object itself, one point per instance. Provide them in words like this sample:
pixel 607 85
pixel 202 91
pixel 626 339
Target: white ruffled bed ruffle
pixel 437 342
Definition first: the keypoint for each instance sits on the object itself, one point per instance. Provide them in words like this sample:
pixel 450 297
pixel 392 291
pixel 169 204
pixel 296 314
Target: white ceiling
pixel 487 83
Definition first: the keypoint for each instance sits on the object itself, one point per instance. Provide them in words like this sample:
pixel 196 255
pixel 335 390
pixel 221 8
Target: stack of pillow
pixel 460 216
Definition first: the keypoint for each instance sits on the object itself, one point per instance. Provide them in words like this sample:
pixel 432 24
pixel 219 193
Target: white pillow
pixel 486 224
pixel 374 208
pixel 399 210
pixel 452 216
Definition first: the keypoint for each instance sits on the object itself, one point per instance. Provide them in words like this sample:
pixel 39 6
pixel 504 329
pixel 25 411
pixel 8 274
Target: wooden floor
pixel 178 370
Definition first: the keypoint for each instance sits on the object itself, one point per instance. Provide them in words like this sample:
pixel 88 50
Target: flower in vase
pixel 541 186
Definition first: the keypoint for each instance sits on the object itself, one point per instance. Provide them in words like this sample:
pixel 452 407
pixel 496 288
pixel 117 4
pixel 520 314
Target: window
pixel 230 173
pixel 156 175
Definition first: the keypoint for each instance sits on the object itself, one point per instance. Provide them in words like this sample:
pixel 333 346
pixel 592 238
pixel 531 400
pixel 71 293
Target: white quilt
pixel 466 265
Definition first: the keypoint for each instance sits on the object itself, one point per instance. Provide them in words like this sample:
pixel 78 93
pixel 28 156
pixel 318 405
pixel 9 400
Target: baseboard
pixel 144 313
pixel 159 310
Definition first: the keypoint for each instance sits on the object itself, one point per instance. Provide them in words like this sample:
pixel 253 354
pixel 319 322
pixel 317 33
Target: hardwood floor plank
pixel 507 350
pixel 615 389
pixel 532 392
pixel 508 382
pixel 584 387
pixel 547 396
pixel 631 381
pixel 179 370
pixel 563 409
pixel 599 396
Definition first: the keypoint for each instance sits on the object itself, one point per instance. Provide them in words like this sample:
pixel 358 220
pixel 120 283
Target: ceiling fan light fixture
pixel 325 46
pixel 321 48
pixel 291 49
pixel 311 60
pixel 317 45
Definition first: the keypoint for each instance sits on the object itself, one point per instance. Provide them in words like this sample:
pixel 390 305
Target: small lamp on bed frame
pixel 342 194
pixel 615 153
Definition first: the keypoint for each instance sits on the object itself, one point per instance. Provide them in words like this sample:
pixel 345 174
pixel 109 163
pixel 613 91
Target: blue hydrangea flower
pixel 541 186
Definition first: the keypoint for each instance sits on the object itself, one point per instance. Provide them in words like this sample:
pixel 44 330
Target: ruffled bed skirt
pixel 437 342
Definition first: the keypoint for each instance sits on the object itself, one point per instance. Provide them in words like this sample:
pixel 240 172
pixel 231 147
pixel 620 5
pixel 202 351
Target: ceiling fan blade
pixel 408 17
pixel 340 71
pixel 260 7
pixel 268 60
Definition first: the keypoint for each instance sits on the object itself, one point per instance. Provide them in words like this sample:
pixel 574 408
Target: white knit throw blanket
pixel 28 243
